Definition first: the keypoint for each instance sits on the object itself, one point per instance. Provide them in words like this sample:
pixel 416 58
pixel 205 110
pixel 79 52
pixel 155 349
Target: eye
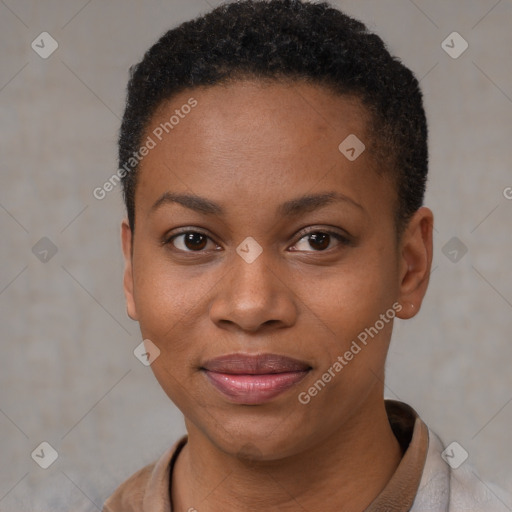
pixel 316 241
pixel 320 241
pixel 190 241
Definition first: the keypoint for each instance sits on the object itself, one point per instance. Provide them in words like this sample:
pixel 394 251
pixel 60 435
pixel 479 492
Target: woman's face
pixel 260 270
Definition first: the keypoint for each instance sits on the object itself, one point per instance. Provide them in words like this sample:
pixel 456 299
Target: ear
pixel 415 262
pixel 127 241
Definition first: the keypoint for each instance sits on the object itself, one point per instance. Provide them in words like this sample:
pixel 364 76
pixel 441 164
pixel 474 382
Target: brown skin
pixel 250 147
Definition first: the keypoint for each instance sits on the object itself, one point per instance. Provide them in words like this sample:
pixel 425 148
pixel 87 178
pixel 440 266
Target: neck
pixel 351 467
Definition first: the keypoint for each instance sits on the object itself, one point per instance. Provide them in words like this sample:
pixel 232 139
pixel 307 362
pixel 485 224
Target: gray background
pixel 68 375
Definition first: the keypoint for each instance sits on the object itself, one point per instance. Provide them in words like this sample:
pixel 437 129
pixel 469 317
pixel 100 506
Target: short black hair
pixel 285 40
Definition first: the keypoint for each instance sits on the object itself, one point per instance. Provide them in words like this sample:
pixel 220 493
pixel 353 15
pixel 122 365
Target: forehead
pixel 251 136
pixel 300 111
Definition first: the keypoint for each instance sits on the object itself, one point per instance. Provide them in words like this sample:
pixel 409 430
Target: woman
pixel 274 160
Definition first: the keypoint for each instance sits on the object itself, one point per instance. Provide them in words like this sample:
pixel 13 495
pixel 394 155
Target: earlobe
pixel 416 251
pixel 128 284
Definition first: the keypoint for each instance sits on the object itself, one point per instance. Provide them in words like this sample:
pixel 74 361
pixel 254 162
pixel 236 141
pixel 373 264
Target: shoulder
pixel 128 497
pixel 456 486
pixel 148 488
pixel 468 489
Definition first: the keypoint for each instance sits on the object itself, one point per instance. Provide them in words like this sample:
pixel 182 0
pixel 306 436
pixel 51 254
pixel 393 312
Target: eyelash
pixel 344 240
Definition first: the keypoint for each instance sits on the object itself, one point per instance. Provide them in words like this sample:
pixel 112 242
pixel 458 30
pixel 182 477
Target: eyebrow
pixel 291 208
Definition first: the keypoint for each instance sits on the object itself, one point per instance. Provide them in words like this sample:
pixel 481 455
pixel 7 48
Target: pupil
pixel 322 239
pixel 195 241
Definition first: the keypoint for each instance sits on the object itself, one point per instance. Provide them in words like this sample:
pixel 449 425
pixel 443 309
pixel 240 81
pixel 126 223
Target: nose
pixel 253 296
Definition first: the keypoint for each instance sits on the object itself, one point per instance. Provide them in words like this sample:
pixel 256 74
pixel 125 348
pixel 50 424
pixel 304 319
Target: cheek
pixel 165 295
pixel 348 309
pixel 172 304
pixel 167 308
pixel 350 299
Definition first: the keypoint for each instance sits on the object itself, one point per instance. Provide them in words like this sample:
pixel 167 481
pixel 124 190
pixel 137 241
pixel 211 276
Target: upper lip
pixel 258 364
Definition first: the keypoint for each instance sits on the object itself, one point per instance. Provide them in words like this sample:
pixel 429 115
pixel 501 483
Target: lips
pixel 260 364
pixel 254 379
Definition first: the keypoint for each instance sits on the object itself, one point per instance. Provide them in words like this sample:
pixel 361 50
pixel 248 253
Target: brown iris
pixel 321 239
pixel 195 241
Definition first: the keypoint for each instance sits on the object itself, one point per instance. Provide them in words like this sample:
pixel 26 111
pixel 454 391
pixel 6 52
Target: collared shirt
pixel 422 482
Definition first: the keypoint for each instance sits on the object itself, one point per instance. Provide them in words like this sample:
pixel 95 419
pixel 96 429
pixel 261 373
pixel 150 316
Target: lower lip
pixel 254 389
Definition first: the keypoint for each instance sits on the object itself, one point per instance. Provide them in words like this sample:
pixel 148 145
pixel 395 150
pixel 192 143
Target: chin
pixel 252 443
